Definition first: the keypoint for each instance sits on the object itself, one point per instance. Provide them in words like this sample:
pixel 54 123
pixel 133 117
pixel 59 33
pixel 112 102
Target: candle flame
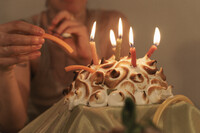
pixel 112 38
pixel 131 37
pixel 93 31
pixel 120 31
pixel 157 37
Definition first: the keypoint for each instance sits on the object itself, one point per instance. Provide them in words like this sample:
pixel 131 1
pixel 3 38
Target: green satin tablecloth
pixel 178 118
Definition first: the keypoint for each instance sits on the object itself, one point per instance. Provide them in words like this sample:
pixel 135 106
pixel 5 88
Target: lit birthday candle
pixel 93 45
pixel 113 40
pixel 119 41
pixel 132 48
pixel 156 42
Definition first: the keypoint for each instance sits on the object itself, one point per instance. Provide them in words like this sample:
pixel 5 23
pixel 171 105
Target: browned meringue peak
pixel 154 88
pixel 98 99
pixel 158 94
pixel 160 73
pixel 114 76
pixel 70 95
pixel 81 89
pixel 116 98
pixel 140 80
pixel 149 70
pixel 152 63
pixel 129 86
pixel 141 98
pixel 67 90
pixel 97 78
pixel 148 65
pixel 97 88
pixel 137 78
pixel 115 80
pixel 159 83
pixel 107 65
pixel 123 63
pixel 83 74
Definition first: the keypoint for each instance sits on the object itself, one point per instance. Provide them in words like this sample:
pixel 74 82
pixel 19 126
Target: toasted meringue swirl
pixel 113 81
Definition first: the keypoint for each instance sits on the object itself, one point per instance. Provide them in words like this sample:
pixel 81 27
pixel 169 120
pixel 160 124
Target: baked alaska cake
pixel 112 81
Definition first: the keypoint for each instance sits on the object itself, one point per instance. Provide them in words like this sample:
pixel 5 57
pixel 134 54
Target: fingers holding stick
pixel 21 27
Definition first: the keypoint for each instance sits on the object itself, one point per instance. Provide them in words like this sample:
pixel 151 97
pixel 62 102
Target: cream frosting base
pixel 113 81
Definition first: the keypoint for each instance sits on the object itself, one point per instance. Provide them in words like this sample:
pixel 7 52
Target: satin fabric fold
pixel 177 118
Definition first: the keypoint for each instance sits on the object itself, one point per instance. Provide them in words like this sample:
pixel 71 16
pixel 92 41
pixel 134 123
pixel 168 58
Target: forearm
pixel 12 108
pixel 20 42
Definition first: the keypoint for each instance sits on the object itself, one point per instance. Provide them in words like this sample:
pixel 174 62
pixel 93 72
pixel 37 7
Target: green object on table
pixel 129 117
pixel 177 118
pixel 130 122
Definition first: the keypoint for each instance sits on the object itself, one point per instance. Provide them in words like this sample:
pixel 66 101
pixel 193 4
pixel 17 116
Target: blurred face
pixel 73 6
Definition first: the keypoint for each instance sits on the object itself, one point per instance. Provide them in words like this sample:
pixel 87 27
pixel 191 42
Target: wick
pixel 131 45
pixel 92 39
pixel 156 44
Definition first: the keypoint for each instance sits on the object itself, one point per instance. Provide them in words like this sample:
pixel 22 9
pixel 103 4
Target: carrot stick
pixel 75 67
pixel 61 43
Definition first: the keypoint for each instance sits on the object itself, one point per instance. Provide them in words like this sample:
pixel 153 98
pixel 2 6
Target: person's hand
pixel 19 42
pixel 64 22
